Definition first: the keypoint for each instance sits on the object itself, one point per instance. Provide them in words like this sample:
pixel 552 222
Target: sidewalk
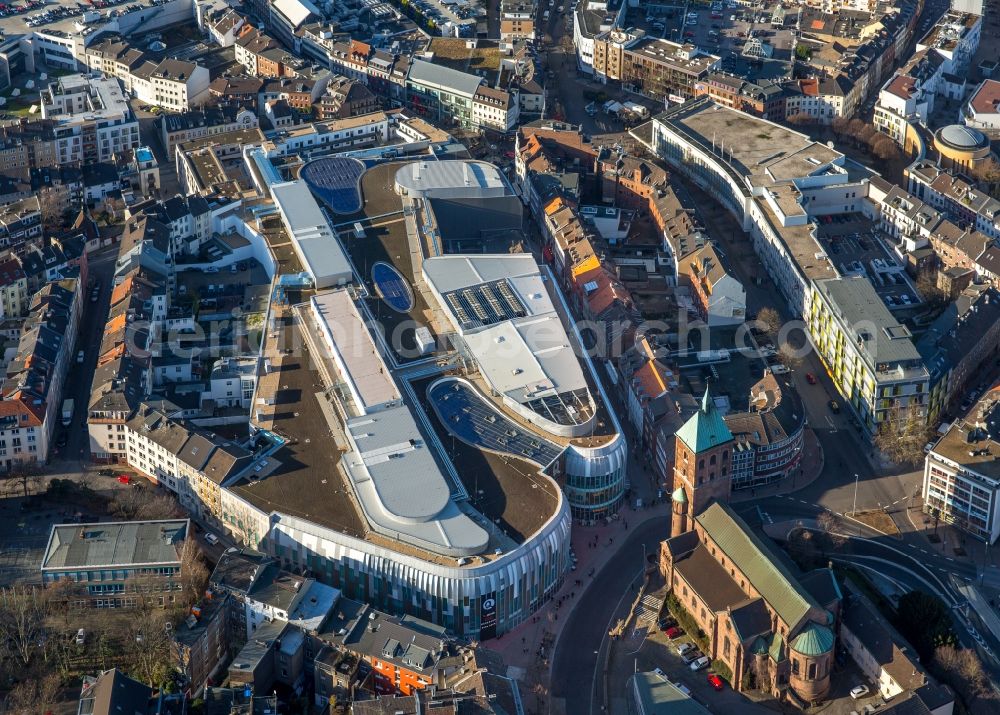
pixel 528 649
pixel 948 541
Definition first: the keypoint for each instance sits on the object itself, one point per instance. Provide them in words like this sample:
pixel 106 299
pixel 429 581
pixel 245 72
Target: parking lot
pixel 854 244
pixel 721 30
pixel 63 15
pixel 459 12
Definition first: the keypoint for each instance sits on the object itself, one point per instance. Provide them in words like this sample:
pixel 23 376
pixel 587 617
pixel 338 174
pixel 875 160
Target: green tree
pixel 925 621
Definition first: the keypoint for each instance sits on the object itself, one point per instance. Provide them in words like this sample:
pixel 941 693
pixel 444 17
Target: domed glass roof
pixel 962 137
pixel 679 496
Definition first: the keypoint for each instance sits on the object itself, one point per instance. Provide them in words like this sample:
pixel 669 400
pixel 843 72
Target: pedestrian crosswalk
pixel 647 610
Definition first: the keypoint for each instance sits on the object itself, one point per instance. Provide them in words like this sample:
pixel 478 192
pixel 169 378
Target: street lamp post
pixel 855 509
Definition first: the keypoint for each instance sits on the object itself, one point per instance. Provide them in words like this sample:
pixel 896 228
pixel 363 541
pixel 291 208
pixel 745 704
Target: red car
pixel 810 378
pixel 124 479
pixel 715 681
pixel 673 632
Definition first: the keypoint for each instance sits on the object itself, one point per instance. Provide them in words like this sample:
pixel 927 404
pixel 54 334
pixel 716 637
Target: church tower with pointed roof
pixel 703 449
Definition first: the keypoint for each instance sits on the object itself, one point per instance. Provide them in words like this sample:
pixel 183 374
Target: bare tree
pixel 927 285
pixel 831 530
pixel 140 503
pixel 988 171
pixel 34 696
pixel 147 643
pixel 769 321
pixel 23 478
pixel 194 572
pixel 861 132
pixel 962 669
pixel 22 613
pixel 789 357
pixel 61 597
pixel 53 203
pixel 901 436
pixel 885 148
pixel 841 126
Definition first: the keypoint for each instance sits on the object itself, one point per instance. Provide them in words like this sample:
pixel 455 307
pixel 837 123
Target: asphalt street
pixel 76 453
pixel 581 649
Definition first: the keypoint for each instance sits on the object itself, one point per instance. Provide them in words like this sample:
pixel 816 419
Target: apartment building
pixel 263 56
pixel 173 84
pixel 176 129
pixel 94 121
pixel 955 196
pixel 517 21
pixel 665 71
pixel 982 111
pixel 870 356
pixel 31 394
pixel 718 295
pixel 962 339
pixel 13 288
pixel 21 222
pixel 901 103
pixel 494 109
pixel 190 462
pixel 762 98
pixel 962 473
pixel 345 98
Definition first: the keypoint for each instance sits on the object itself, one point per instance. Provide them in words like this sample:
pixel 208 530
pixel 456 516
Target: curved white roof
pixel 402 490
pixel 501 307
pixel 962 137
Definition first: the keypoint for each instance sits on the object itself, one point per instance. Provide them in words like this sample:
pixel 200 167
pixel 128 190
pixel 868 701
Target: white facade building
pixel 95 121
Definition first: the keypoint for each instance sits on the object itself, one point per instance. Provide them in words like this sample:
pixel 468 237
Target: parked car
pixel 683 688
pixel 691 656
pixel 107 473
pixel 211 538
pixel 859 691
pixel 666 622
pixel 810 378
pixel 700 664
pixel 674 632
pixel 79 356
pixel 81 637
pixel 124 479
pixel 685 648
pixel 715 681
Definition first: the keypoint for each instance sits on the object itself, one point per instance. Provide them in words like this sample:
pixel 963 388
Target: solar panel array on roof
pixel 485 304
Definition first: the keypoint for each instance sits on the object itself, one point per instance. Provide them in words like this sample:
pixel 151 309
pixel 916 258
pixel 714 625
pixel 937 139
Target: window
pixel 812 671
pixel 795 666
